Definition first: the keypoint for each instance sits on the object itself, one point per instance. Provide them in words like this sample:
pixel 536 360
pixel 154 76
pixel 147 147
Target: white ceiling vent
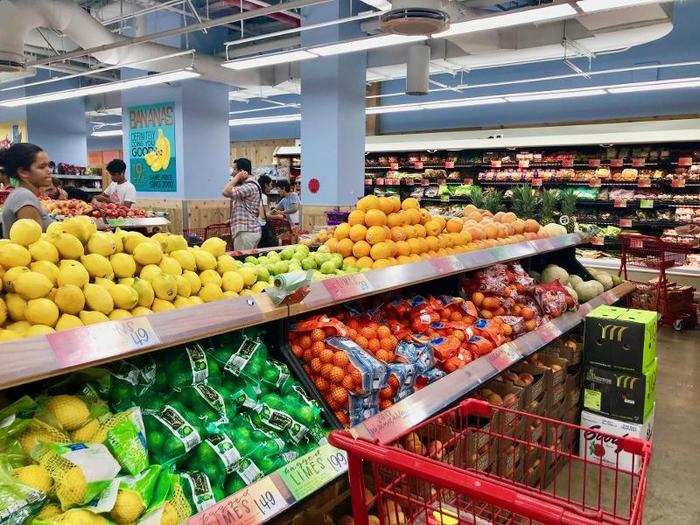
pixel 416 17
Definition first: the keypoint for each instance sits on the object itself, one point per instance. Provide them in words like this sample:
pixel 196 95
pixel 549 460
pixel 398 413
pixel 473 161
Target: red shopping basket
pixel 197 236
pixel 481 464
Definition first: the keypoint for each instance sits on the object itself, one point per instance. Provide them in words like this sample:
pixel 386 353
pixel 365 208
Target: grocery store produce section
pixel 148 381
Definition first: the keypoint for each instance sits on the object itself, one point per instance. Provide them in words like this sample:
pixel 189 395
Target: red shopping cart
pixel 196 236
pixel 673 302
pixel 481 464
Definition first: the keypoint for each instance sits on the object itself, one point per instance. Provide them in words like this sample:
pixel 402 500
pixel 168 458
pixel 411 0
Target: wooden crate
pixel 173 207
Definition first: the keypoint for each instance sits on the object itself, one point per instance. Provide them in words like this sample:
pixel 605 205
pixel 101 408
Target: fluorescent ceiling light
pixel 593 6
pixel 363 44
pixel 107 133
pixel 377 110
pixel 527 16
pixel 121 85
pixel 294 55
pixel 657 85
pixel 551 95
pixel 463 102
pixel 264 120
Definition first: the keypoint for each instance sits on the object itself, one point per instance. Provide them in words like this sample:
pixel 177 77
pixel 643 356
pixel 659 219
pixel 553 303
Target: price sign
pixel 620 203
pixel 598 241
pixel 502 357
pixel 536 182
pixel 443 265
pixel 468 181
pixel 567 162
pixel 449 164
pixel 685 161
pixel 394 166
pixel 678 182
pixel 379 181
pixel 368 182
pixel 593 163
pixel 638 162
pixel 98 341
pixel 524 163
pixel 548 332
pixel 425 182
pixel 646 203
pixel 616 163
pixel 347 286
pixel 625 223
pixel 496 164
pixel 308 473
pixel 594 182
pixel 418 164
pixel 644 182
pixel 251 506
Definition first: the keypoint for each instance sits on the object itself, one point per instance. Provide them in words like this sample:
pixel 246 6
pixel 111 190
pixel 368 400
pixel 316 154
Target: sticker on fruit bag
pixel 99 341
pixel 308 473
pixel 347 286
pixel 253 505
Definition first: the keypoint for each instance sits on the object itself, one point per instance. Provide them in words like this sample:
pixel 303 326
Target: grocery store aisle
pixel 675 468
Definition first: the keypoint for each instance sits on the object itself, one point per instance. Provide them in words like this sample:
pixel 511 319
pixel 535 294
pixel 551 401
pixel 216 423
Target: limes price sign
pixel 82 345
pixel 251 506
pixel 307 473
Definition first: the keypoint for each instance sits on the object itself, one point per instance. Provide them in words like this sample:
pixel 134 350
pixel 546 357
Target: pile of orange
pixel 384 231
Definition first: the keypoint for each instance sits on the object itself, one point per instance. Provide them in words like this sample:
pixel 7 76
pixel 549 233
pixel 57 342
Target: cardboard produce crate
pixel 620 338
pixel 626 396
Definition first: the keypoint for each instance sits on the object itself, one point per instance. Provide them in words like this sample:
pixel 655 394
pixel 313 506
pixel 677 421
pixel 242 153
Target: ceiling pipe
pixel 286 18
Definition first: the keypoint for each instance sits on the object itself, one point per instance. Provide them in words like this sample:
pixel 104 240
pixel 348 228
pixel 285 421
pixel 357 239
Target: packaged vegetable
pixel 18 501
pixel 172 432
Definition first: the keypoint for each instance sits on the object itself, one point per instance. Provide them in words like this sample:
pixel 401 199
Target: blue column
pixel 201 134
pixel 60 128
pixel 333 113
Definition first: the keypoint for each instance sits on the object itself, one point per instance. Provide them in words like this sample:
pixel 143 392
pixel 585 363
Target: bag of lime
pixel 172 432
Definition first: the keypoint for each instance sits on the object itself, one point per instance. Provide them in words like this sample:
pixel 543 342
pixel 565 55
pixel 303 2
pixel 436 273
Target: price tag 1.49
pixel 308 473
pixel 253 505
pixel 99 341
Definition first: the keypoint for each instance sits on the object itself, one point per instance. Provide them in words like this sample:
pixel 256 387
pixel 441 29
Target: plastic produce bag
pixel 124 435
pixel 79 471
pixel 245 355
pixel 168 505
pixel 198 490
pixel 172 432
pixel 210 403
pixel 185 366
pixel 73 517
pixel 17 501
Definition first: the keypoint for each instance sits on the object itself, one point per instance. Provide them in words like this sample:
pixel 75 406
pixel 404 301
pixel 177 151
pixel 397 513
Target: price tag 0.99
pixel 308 473
pixel 99 341
pixel 347 286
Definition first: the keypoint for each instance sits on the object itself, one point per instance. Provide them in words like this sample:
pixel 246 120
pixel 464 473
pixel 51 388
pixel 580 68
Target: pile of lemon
pixel 74 275
pixel 383 231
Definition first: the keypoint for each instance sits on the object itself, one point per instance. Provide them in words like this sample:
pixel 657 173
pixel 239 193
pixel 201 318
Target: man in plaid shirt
pixel 246 197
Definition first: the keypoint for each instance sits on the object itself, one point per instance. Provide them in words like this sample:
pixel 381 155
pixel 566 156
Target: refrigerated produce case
pixel 60 353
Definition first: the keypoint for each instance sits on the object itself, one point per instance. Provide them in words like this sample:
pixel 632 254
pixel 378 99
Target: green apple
pixel 302 248
pixel 279 267
pixel 251 259
pixel 263 259
pixel 323 249
pixel 328 267
pixel 294 265
pixel 308 263
pixel 287 253
pixel 263 273
pixel 273 256
pixel 337 260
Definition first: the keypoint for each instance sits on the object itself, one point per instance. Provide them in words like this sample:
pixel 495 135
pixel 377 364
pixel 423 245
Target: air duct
pixel 19 17
pixel 417 69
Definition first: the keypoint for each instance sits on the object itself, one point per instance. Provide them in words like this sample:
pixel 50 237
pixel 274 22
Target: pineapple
pixel 548 202
pixel 477 196
pixel 493 201
pixel 524 201
pixel 568 208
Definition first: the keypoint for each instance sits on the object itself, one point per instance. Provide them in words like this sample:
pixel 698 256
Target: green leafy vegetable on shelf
pixel 477 197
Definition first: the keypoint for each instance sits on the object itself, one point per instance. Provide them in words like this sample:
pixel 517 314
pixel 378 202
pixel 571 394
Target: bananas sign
pixel 152 147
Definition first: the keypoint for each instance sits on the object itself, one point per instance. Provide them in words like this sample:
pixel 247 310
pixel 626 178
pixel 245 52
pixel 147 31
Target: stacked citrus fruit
pixel 73 275
pixel 383 231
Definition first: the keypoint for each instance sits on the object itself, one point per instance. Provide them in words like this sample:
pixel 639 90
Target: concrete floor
pixel 673 496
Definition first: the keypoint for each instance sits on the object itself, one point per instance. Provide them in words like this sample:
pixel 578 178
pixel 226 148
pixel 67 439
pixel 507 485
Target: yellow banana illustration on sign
pixel 159 158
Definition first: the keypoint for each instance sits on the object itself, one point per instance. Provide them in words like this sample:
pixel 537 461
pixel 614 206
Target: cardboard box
pixel 618 394
pixel 596 448
pixel 620 338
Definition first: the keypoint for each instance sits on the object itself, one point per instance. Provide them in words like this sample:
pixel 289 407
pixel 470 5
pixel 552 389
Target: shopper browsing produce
pixel 120 191
pixel 29 164
pixel 246 199
pixel 289 204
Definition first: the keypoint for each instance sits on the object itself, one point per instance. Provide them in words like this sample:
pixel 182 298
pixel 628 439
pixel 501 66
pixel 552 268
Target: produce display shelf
pixel 41 357
pixel 138 222
pixel 76 177
pixel 280 490
pixel 354 286
pixel 653 183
